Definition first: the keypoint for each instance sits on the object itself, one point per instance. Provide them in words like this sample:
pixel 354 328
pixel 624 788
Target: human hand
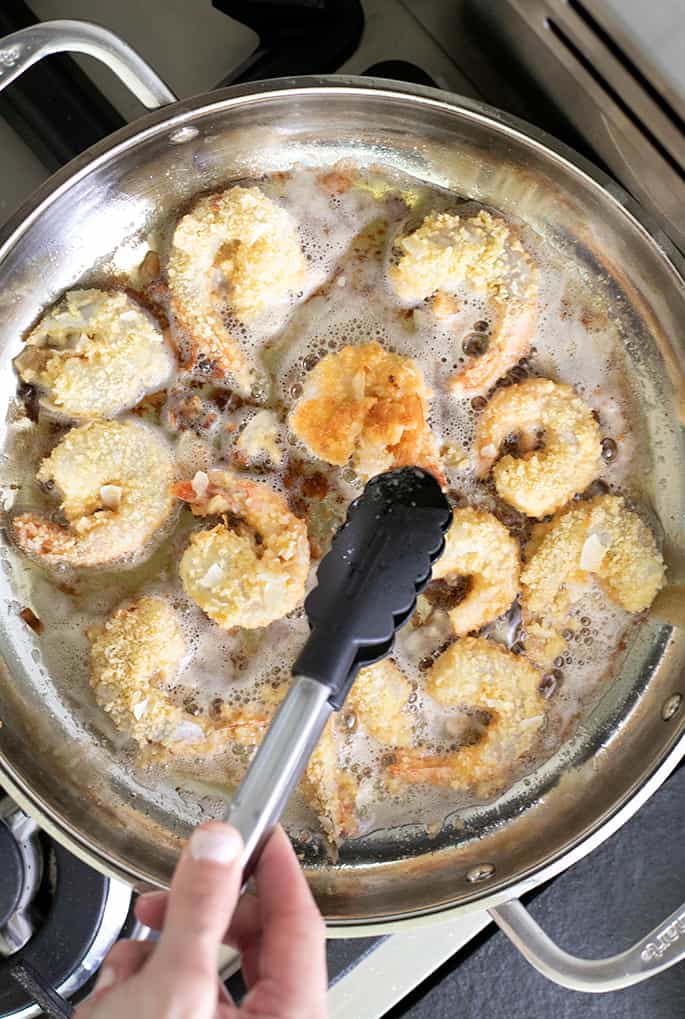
pixel 279 933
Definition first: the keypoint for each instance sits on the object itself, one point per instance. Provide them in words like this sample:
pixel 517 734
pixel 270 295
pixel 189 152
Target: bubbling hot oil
pixel 347 227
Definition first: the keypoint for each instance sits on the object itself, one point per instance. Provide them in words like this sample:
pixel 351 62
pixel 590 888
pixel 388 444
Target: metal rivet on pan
pixel 480 873
pixel 9 57
pixel 183 134
pixel 671 706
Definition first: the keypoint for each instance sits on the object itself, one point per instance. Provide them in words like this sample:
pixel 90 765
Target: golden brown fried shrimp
pixel 236 251
pixel 330 791
pixel 250 573
pixel 369 407
pixel 379 698
pixel 448 249
pixel 478 675
pixel 113 479
pixel 600 538
pixel 480 547
pixel 95 354
pixel 540 481
pixel 134 658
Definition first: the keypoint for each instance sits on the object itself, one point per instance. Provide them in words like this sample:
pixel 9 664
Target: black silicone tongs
pixel 367 584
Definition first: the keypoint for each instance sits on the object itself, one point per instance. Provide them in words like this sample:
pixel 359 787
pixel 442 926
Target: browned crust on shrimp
pixel 367 406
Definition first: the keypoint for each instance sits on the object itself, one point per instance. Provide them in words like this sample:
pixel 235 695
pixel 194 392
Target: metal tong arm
pixel 278 765
pixel 366 589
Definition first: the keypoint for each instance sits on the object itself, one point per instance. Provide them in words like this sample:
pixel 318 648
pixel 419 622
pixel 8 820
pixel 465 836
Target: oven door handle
pixel 21 49
pixel 661 948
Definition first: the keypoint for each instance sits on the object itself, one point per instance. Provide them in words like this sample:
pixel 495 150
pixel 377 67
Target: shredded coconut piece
pixel 110 496
pixel 139 709
pixel 593 553
pixel 200 484
pixel 211 577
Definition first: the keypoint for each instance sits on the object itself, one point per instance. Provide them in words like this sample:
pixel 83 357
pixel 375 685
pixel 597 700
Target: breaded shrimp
pixel 379 698
pixel 478 675
pixel 330 791
pixel 482 251
pixel 540 481
pixel 251 572
pixel 600 538
pixel 95 354
pixel 113 479
pixel 510 331
pixel 369 407
pixel 235 251
pixel 480 547
pixel 135 656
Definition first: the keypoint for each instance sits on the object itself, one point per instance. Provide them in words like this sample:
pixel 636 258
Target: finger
pixel 246 924
pixel 124 960
pixel 292 963
pixel 201 901
pixel 249 962
pixel 85 1009
pixel 244 927
pixel 245 934
pixel 151 909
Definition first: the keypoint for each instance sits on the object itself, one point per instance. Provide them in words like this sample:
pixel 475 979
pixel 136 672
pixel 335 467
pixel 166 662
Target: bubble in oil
pixel 609 450
pixel 349 720
pixel 475 344
pixel 551 682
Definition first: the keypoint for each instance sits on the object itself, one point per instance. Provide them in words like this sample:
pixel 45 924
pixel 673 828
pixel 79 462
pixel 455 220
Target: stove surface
pixel 58 920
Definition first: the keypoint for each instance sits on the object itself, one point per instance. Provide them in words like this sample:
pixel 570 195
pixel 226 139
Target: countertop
pixel 597 908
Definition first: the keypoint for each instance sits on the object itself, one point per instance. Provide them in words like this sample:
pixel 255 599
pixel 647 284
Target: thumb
pixel 203 895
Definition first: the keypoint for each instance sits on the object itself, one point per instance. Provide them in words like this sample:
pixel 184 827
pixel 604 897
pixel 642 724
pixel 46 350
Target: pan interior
pixel 54 746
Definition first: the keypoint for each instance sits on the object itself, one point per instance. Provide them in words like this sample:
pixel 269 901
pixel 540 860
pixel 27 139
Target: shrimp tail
pixel 415 767
pixel 42 538
pixel 184 490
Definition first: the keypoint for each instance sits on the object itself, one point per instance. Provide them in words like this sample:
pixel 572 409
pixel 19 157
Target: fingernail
pixel 217 845
pixel 106 978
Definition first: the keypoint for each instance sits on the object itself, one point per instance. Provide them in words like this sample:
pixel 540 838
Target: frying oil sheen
pixel 347 236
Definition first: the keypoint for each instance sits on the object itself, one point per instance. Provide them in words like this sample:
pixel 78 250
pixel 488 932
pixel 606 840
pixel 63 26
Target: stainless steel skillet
pixel 55 758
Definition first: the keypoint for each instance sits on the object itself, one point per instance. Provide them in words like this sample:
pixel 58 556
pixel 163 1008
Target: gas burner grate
pixel 58 918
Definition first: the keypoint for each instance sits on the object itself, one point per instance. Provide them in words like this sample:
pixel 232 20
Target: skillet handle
pixel 661 948
pixel 20 50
